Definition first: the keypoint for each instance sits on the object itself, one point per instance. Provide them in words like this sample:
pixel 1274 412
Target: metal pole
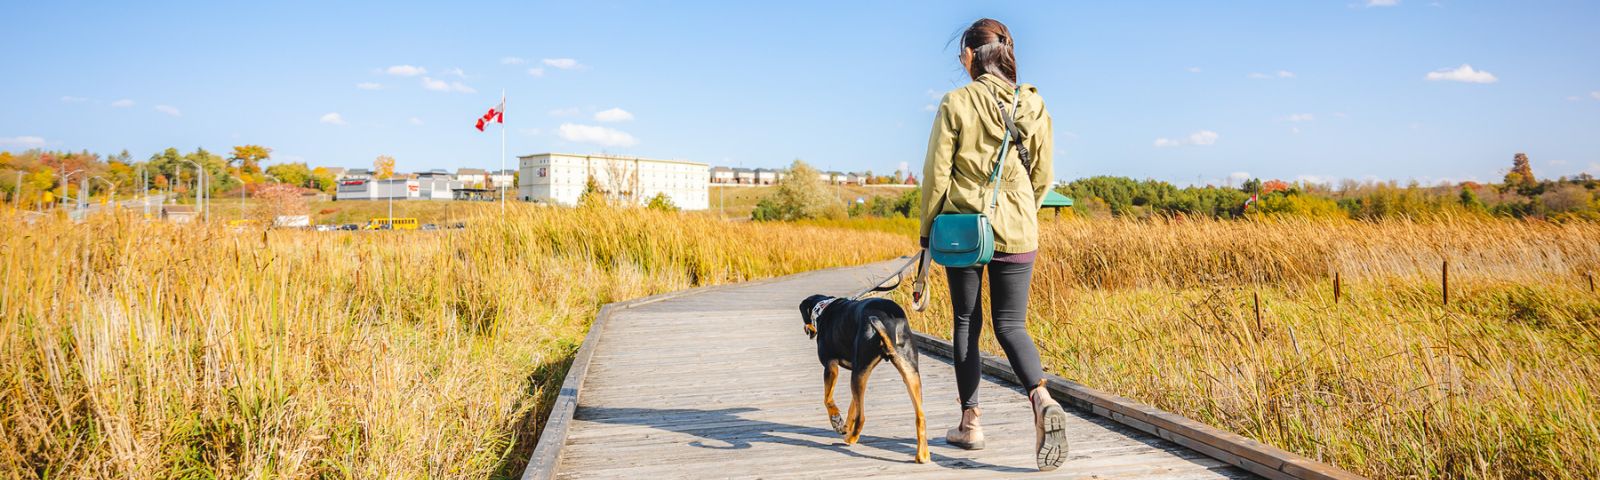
pixel 502 150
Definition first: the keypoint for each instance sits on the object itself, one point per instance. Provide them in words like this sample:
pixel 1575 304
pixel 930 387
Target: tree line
pixel 38 178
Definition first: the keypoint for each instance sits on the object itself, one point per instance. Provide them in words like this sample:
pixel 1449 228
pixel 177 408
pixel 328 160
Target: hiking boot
pixel 1050 426
pixel 968 434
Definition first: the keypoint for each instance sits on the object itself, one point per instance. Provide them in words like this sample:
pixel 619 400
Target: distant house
pixel 473 177
pixel 436 174
pixel 502 178
pixel 357 174
pixel 178 213
pixel 721 175
pixel 765 176
pixel 911 179
pixel 837 178
pixel 854 178
pixel 744 176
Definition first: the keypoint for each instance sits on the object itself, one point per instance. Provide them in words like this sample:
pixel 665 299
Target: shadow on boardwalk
pixel 750 432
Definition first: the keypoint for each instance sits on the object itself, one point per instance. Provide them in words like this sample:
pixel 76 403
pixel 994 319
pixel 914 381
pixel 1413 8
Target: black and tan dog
pixel 856 335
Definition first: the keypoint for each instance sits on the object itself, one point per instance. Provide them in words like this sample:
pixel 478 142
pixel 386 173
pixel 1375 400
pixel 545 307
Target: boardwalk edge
pixel 1250 455
pixel 546 455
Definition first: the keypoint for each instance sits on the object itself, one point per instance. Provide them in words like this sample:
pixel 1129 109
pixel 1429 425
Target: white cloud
pixel 169 110
pixel 1313 179
pixel 562 63
pixel 1463 73
pixel 405 70
pixel 1201 138
pixel 930 108
pixel 1595 94
pixel 458 72
pixel 124 103
pixel 601 136
pixel 1382 3
pixel 416 121
pixel 1240 177
pixel 332 118
pixel 23 141
pixel 1277 74
pixel 536 71
pixel 512 61
pixel 1573 98
pixel 443 86
pixel 613 115
pixel 1299 117
pixel 564 112
pixel 369 86
pixel 72 99
pixel 1194 69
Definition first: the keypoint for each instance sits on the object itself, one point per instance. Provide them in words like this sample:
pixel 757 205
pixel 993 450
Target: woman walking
pixel 968 131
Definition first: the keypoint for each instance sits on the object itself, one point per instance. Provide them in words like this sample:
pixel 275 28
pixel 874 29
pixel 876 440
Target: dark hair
pixel 992 50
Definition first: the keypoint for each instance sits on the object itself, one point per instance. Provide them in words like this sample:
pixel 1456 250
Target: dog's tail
pixel 883 336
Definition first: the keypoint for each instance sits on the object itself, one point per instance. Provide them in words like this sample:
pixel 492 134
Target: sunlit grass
pixel 137 349
pixel 1387 382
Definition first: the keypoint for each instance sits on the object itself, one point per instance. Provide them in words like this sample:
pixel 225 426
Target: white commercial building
pixel 424 188
pixel 559 178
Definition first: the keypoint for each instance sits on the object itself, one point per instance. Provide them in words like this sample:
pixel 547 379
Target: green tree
pixel 291 173
pixel 800 195
pixel 662 202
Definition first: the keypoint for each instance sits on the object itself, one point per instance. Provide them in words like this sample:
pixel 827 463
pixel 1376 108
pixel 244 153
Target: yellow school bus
pixel 392 224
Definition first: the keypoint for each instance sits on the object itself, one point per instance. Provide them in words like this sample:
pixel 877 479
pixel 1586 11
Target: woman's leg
pixel 1008 304
pixel 965 286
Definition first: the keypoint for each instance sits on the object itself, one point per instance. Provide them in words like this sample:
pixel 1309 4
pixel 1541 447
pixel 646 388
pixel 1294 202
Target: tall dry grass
pixel 137 349
pixel 1504 382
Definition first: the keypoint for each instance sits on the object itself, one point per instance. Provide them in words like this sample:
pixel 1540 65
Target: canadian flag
pixel 497 114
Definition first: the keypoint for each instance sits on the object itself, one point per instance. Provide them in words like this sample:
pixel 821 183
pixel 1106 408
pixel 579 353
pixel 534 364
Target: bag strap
pixel 1000 161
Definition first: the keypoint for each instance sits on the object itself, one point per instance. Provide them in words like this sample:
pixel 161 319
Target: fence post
pixel 1335 287
pixel 1444 279
pixel 1259 330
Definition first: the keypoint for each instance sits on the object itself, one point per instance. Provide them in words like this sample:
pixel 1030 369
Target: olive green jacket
pixel 966 137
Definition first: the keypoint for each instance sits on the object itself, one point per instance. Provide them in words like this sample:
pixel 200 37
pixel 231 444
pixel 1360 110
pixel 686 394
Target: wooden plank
pixel 1235 449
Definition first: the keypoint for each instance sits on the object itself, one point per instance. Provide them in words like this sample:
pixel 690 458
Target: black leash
pixel 919 286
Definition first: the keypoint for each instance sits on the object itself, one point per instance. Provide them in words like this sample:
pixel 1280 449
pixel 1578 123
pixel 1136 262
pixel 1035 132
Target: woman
pixel 966 138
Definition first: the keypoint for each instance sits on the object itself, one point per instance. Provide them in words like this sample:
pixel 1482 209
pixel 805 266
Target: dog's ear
pixel 805 307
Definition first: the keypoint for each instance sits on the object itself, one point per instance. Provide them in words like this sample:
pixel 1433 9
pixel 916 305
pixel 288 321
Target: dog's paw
pixel 838 423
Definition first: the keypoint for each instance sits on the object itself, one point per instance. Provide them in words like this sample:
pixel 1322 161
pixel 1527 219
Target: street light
pixel 64 183
pixel 113 186
pixel 200 180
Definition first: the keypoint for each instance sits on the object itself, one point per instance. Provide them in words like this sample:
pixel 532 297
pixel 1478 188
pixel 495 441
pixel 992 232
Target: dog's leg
pixel 830 376
pixel 913 381
pixel 858 399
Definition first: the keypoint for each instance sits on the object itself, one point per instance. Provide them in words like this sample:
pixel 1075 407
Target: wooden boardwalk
pixel 722 382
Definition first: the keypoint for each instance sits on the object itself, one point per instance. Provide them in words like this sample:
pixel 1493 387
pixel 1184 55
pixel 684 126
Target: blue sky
pixel 1178 91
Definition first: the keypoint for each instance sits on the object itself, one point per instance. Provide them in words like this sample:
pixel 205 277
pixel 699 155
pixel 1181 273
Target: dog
pixel 856 335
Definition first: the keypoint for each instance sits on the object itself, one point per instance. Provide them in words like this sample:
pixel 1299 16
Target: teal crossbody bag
pixel 960 240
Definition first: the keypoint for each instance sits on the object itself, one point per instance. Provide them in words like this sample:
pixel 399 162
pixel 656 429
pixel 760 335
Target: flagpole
pixel 502 150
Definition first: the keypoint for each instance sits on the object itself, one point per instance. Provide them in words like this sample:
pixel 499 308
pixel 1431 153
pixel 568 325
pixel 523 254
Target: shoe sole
pixel 965 445
pixel 1053 451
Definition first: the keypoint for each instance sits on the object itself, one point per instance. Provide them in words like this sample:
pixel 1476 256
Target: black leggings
pixel 1008 297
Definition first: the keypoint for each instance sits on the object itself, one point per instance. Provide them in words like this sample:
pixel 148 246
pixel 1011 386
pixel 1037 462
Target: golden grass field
pixel 1504 382
pixel 137 349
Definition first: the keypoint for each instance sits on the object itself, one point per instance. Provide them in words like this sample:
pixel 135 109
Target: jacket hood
pixel 1030 116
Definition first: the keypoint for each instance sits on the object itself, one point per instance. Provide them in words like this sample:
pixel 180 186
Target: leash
pixel 919 286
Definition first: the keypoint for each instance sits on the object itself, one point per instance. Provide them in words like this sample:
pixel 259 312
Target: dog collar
pixel 816 310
